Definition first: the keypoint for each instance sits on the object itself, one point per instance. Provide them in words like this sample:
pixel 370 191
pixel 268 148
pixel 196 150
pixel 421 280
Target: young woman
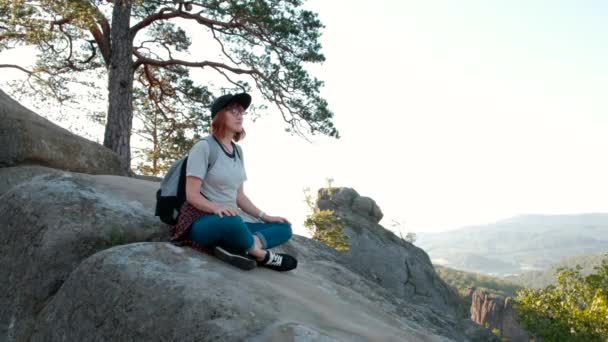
pixel 218 215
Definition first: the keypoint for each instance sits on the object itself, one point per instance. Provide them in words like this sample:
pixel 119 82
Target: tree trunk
pixel 156 147
pixel 120 83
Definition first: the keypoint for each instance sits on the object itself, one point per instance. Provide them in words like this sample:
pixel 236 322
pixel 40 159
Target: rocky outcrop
pixel 27 138
pixel 72 271
pixel 51 222
pixel 497 312
pixel 380 255
pixel 83 258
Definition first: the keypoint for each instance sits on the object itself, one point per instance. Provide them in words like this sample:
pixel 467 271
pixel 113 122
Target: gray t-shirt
pixel 222 181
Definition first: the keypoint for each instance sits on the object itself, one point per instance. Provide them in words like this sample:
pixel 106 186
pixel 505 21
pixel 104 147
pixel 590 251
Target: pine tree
pixel 139 46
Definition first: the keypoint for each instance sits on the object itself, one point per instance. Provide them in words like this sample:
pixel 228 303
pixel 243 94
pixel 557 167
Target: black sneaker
pixel 279 261
pixel 239 260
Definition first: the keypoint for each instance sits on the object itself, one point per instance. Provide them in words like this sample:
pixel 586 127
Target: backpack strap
pixel 181 187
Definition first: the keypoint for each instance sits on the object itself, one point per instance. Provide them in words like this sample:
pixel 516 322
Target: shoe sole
pixel 239 261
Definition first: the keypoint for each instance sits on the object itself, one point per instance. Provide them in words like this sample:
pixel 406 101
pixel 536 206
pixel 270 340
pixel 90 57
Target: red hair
pixel 218 126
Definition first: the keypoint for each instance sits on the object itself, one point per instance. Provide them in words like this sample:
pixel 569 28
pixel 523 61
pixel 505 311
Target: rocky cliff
pixel 496 312
pixel 380 255
pixel 84 259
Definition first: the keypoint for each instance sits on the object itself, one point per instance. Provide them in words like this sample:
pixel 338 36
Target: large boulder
pixel 158 292
pixel 72 271
pixel 54 220
pixel 379 255
pixel 27 138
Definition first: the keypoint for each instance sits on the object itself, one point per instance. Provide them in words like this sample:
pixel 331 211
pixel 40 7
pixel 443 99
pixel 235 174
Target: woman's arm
pixel 194 197
pixel 246 205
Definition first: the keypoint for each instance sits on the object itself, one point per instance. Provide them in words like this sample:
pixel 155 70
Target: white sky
pixel 451 113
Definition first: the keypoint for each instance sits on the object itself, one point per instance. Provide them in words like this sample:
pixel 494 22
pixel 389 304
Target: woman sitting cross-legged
pixel 230 224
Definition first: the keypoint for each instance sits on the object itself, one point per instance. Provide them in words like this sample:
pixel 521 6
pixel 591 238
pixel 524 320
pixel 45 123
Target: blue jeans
pixel 234 233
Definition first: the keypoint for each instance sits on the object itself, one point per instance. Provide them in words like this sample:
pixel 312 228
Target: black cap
pixel 223 101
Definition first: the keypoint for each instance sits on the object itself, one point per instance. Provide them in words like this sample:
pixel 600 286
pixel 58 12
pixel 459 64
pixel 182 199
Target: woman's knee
pixel 206 231
pixel 286 227
pixel 279 234
pixel 235 233
pixel 233 224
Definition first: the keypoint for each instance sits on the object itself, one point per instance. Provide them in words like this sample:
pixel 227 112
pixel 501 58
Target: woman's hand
pixel 228 211
pixel 268 218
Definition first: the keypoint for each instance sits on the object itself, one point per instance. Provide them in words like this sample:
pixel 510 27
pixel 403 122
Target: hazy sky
pixel 451 112
pixel 454 112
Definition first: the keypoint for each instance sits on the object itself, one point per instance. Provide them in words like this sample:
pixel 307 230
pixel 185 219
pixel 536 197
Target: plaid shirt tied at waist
pixel 180 231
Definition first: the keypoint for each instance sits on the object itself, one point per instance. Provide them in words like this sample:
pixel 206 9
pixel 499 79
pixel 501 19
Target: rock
pixel 381 256
pixel 73 270
pixel 149 178
pixel 362 206
pixel 325 204
pixel 53 221
pixel 511 329
pixel 27 138
pixel 159 292
pixel 292 332
pixel 11 177
pixel 376 213
pixel 478 333
pixel 347 198
pixel 498 313
pixel 468 293
pixel 343 197
pixel 365 206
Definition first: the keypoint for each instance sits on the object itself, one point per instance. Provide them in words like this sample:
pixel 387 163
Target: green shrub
pixel 574 309
pixel 324 225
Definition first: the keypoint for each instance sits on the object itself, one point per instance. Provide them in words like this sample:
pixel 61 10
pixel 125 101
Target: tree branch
pixel 69 38
pixel 93 49
pixel 103 22
pixel 11 35
pixel 60 22
pixel 155 41
pixel 145 60
pixel 228 78
pixel 222 46
pixel 169 13
pixel 16 67
pixel 101 36
pixel 103 41
pixel 152 81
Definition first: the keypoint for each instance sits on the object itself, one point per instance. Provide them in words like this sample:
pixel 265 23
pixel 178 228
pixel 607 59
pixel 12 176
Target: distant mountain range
pixel 519 244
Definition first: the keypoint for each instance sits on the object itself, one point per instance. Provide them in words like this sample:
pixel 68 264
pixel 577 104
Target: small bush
pixel 324 225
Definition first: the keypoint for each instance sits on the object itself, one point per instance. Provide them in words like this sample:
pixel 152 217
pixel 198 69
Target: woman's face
pixel 234 118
